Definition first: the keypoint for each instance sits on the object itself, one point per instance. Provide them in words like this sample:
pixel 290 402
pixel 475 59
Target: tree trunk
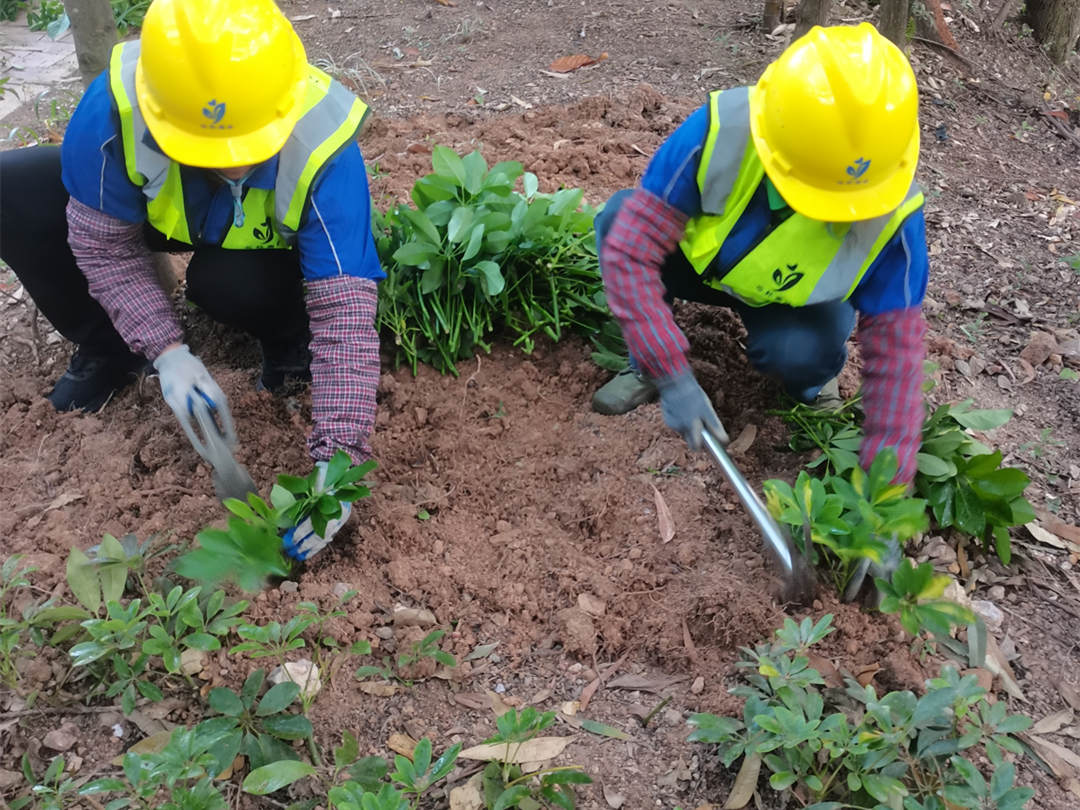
pixel 811 13
pixel 894 21
pixel 774 10
pixel 1056 24
pixel 94 31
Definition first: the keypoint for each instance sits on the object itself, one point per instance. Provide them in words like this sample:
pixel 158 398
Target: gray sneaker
pixel 829 399
pixel 624 392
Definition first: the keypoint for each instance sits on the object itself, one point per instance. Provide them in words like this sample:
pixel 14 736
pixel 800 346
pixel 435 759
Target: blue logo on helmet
pixel 215 111
pixel 857 169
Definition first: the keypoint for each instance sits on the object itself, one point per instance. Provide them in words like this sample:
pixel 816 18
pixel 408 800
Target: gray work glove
pixel 862 581
pixel 687 409
pixel 187 386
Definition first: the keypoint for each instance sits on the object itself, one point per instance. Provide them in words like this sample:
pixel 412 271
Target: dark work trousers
pixel 258 291
pixel 802 347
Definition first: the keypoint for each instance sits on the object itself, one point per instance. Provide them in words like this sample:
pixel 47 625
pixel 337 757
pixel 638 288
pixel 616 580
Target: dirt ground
pixel 541 527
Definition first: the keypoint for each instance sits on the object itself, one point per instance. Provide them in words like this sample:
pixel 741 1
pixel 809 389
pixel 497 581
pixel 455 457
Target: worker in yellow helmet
pixel 210 134
pixel 793 203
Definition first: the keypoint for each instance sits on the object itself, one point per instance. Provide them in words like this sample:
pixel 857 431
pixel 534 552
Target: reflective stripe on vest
pixel 329 120
pixel 800 262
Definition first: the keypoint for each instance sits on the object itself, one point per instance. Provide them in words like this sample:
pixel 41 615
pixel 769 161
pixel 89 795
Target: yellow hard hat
pixel 219 82
pixel 835 121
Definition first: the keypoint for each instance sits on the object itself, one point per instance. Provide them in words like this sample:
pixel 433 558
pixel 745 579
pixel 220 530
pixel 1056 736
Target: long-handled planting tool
pixel 797 574
pixel 231 480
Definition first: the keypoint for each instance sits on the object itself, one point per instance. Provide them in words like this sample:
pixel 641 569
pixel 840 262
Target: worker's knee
pixel 802 354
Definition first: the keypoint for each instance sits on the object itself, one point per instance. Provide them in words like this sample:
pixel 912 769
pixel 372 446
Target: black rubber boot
pixel 90 380
pixel 285 366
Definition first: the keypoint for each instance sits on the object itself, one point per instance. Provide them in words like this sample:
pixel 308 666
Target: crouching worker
pixel 792 202
pixel 209 134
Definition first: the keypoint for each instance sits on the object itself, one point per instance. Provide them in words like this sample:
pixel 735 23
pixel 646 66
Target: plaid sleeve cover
pixel 120 273
pixel 893 347
pixel 344 365
pixel 645 231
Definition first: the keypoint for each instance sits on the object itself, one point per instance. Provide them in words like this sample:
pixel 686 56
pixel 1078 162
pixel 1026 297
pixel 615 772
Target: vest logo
pixel 265 232
pixel 855 171
pixel 215 111
pixel 784 281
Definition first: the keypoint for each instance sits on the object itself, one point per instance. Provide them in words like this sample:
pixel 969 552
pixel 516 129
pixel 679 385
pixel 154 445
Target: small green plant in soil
pixel 961 479
pixel 54 791
pixel 101 573
pixel 504 783
pixel 847 518
pixel 426 648
pixel 259 728
pixel 42 13
pixel 476 255
pixel 248 550
pixel 856 749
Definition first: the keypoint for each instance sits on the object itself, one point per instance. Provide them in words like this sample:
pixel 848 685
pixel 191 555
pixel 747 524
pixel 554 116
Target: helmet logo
pixel 856 170
pixel 215 111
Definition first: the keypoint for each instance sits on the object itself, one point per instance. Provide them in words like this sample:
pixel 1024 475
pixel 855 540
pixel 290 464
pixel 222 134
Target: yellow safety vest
pixel 330 118
pixel 800 262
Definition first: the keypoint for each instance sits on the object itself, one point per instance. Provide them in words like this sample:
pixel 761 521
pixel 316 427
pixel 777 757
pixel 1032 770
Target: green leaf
pixel 432 279
pixel 970 517
pixel 782 780
pixel 981 420
pixel 277 698
pixel 83 581
pixel 492 278
pixel 414 254
pixel 476 240
pixel 421 221
pixel 225 701
pixel 202 641
pixel 448 164
pixel 530 184
pixel 288 726
pixel 510 797
pixel 934 467
pixel 460 223
pixel 1006 483
pixel 369 772
pixel 275 776
pixel 475 169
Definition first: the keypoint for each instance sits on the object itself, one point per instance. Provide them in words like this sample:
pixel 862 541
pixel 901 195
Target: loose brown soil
pixel 501 500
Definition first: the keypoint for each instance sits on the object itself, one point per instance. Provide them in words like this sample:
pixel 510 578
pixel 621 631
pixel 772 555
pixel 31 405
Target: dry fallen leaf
pixel 1049 538
pixel 1070 694
pixel 401 744
pixel 1053 722
pixel 999 665
pixel 538 749
pixel 497 704
pixel 1058 526
pixel 614 799
pixel 471 700
pixel 745 783
pixel 153 744
pixel 865 675
pixel 468 796
pixel 663 514
pixel 565 64
pixel 1064 763
pixel 378 688
pixel 743 441
pixel 826 669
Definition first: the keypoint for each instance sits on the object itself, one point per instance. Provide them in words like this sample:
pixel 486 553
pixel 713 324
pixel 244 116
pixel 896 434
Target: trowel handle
pixel 750 500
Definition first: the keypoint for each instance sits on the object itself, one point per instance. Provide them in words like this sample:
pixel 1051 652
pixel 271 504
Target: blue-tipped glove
pixel 301 542
pixel 687 409
pixel 186 385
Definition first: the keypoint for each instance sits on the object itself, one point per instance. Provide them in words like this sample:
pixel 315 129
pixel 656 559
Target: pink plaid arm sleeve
pixel 645 231
pixel 344 365
pixel 120 274
pixel 893 347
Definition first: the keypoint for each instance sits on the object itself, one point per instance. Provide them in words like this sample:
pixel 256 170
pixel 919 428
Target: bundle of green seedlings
pixel 248 550
pixel 961 479
pixel 829 747
pixel 475 256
